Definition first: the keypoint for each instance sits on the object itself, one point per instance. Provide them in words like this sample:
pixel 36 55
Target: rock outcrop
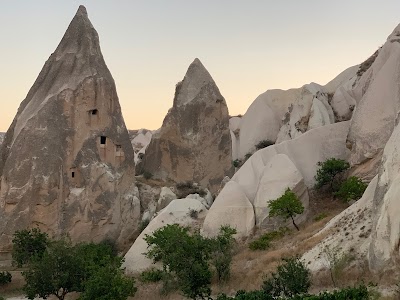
pixel 194 142
pixel 2 134
pixel 300 155
pixel 66 162
pixel 378 103
pixel 140 139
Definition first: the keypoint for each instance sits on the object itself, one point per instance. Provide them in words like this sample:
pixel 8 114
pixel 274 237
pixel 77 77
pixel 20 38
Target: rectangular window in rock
pixel 103 140
pixel 73 174
pixel 94 111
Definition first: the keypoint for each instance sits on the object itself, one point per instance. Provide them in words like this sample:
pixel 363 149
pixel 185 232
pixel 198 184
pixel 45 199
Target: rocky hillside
pixel 2 134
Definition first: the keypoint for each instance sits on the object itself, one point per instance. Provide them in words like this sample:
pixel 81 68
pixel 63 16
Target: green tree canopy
pixel 329 171
pixel 287 206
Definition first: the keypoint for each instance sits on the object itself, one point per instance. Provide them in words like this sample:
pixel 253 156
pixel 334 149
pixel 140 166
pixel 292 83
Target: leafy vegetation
pixel 329 172
pixel 264 241
pixel 94 270
pixel 287 206
pixel 152 275
pixel 187 267
pixel 28 245
pixel 5 277
pixel 143 224
pixel 292 278
pixel 337 262
pixel 263 144
pixel 237 163
pixel 222 253
pixel 351 189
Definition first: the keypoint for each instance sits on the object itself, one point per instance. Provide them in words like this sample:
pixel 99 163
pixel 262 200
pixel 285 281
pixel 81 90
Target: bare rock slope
pixel 194 142
pixel 76 177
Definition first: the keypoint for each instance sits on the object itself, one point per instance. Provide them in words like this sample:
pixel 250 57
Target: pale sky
pixel 248 46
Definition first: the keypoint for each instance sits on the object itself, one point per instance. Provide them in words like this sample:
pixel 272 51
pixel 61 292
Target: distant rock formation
pixel 67 164
pixel 140 139
pixel 194 142
pixel 279 115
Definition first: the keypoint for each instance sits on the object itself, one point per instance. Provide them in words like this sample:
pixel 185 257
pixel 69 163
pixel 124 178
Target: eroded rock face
pixel 378 102
pixel 2 134
pixel 67 162
pixel 194 142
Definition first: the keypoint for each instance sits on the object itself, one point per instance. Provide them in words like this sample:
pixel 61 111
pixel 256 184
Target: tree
pixel 57 272
pixel 5 277
pixel 287 206
pixel 351 189
pixel 292 278
pixel 329 171
pixel 27 245
pixel 108 283
pixel 184 256
pixel 223 252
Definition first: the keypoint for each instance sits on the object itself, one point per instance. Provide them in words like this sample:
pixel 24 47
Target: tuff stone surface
pixel 194 142
pixel 55 171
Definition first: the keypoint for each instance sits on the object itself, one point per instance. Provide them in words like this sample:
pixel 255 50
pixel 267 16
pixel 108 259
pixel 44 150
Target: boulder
pixel 194 142
pixel 177 212
pixel 278 175
pixel 232 208
pixel 166 196
pixel 76 177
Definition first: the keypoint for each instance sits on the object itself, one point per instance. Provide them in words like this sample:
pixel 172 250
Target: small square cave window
pixel 94 111
pixel 73 174
pixel 103 140
pixel 119 147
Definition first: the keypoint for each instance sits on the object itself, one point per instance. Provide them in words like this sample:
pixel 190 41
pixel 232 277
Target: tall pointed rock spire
pixel 66 163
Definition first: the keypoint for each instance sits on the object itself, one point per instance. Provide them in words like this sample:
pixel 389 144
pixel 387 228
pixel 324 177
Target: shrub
pixel 287 206
pixel 320 216
pixel 264 144
pixel 247 156
pixel 188 263
pixel 27 245
pixel 292 278
pixel 194 214
pixel 337 262
pixel 5 277
pixel 147 175
pixel 222 253
pixel 329 172
pixel 152 275
pixel 237 163
pixel 351 189
pixel 264 241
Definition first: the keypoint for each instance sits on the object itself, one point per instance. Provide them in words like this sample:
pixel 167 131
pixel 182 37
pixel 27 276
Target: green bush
pixel 189 187
pixel 264 241
pixel 320 216
pixel 5 277
pixel 221 257
pixel 27 245
pixel 152 275
pixel 247 156
pixel 351 189
pixel 237 163
pixel 292 278
pixel 147 175
pixel 263 144
pixel 287 206
pixel 329 172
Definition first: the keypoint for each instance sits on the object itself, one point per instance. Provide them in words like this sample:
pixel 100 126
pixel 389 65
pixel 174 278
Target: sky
pixel 248 46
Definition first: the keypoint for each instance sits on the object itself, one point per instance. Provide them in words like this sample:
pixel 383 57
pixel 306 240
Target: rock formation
pixel 140 139
pixel 378 103
pixel 194 142
pixel 2 134
pixel 278 115
pixel 252 183
pixel 66 162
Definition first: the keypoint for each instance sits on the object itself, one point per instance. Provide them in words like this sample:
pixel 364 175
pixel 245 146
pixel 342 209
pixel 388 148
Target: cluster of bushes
pixel 264 144
pixel 292 281
pixel 189 187
pixel 56 267
pixel 188 259
pixel 264 241
pixel 330 174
